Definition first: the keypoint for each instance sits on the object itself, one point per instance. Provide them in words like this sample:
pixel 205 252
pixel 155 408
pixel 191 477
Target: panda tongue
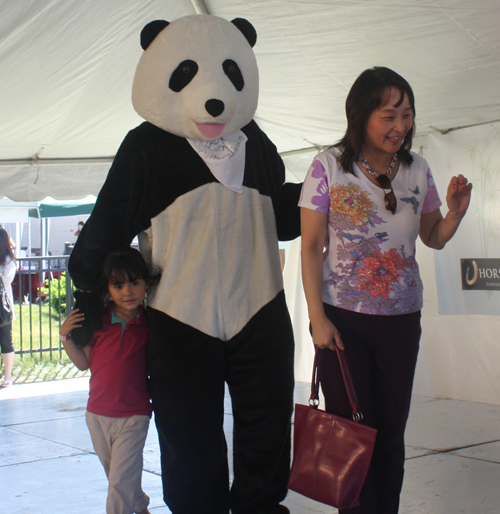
pixel 211 129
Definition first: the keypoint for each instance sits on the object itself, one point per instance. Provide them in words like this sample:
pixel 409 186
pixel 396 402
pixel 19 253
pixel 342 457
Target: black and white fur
pixel 219 313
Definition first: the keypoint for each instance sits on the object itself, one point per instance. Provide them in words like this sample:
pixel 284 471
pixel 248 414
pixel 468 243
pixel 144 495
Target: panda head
pixel 198 76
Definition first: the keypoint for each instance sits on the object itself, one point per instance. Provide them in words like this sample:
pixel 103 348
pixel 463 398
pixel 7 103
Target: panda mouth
pixel 211 129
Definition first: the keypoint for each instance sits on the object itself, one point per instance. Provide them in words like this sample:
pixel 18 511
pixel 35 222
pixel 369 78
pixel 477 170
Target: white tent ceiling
pixel 67 67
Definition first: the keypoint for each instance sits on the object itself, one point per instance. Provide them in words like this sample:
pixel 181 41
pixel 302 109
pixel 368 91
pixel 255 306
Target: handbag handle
pixel 357 415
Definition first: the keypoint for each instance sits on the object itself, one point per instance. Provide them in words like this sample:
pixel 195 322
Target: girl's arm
pixel 436 231
pixel 79 356
pixel 314 231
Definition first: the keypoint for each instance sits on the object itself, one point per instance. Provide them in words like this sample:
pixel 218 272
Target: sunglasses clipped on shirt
pixel 390 198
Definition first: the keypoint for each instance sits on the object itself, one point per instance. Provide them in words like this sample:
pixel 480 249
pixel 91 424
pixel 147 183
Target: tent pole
pixel 200 7
pixel 28 249
pixel 43 233
pixel 18 240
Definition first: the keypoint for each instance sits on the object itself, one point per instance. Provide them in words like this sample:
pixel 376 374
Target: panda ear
pixel 150 31
pixel 246 29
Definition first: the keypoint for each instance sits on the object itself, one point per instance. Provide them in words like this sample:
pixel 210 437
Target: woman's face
pixel 388 125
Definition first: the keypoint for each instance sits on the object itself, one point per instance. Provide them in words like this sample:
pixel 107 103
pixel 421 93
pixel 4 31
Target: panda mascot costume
pixel 204 188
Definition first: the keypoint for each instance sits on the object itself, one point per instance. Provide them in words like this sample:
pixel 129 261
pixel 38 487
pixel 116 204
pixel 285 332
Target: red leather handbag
pixel 331 454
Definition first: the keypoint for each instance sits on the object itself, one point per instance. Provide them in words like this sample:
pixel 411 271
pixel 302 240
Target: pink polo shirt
pixel 118 382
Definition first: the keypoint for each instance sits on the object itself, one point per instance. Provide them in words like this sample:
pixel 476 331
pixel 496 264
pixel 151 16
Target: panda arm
pixel 288 215
pixel 118 215
pixel 286 195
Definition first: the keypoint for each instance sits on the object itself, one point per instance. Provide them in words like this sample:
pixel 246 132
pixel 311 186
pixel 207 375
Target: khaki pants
pixel 119 443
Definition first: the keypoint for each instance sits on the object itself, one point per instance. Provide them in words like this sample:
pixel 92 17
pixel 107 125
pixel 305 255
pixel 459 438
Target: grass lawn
pixel 39 354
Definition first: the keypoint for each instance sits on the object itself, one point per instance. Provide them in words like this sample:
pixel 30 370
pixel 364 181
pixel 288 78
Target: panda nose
pixel 214 107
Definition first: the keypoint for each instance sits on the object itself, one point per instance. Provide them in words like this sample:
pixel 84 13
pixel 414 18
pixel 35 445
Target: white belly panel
pixel 218 252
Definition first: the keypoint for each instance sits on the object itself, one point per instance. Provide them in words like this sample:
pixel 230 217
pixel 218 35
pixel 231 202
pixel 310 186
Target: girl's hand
pixel 74 320
pixel 326 335
pixel 458 195
pixel 79 356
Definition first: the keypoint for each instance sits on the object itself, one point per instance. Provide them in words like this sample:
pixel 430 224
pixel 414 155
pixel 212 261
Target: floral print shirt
pixel 369 263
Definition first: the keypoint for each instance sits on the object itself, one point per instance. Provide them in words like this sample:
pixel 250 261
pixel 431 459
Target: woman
pixel 367 199
pixel 7 273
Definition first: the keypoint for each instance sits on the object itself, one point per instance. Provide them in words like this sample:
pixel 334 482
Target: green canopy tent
pixel 50 208
pixel 20 212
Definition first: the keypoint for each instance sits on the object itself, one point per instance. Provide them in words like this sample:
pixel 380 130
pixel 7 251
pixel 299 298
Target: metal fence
pixel 43 295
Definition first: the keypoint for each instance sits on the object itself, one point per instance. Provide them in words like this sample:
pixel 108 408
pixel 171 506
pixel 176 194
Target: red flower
pixel 380 271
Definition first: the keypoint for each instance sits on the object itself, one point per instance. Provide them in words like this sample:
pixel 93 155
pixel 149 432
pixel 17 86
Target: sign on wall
pixel 481 274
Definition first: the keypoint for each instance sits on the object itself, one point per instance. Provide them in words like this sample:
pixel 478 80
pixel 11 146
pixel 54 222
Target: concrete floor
pixel 47 465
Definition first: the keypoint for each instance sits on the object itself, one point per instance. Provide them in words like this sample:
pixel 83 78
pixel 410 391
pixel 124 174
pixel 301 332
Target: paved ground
pixel 47 465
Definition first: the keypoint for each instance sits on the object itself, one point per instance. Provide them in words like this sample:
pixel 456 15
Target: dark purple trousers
pixel 382 355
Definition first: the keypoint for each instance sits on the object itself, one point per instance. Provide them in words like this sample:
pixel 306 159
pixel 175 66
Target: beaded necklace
pixel 372 172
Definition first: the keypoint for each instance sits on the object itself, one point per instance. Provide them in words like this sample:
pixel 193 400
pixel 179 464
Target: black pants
pixel 6 339
pixel 188 374
pixel 382 355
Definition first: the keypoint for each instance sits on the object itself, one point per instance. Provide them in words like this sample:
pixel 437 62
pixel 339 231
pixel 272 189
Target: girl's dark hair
pixel 368 93
pixel 5 248
pixel 126 266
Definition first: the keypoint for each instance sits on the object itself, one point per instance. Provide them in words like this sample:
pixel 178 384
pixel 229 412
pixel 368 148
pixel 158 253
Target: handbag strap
pixel 357 415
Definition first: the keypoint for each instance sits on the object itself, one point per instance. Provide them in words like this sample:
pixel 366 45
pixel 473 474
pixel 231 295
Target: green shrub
pixel 56 290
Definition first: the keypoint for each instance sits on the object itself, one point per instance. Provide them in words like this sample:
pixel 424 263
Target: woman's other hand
pixel 458 195
pixel 326 335
pixel 436 231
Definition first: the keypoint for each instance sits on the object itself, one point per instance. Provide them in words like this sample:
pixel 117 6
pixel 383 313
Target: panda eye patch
pixel 182 75
pixel 232 70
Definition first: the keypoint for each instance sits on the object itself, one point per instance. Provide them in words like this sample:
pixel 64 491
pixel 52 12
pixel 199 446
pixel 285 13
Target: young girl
pixel 119 407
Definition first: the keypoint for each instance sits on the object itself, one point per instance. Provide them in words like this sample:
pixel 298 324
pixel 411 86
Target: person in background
pixel 119 406
pixel 366 199
pixel 7 274
pixel 80 226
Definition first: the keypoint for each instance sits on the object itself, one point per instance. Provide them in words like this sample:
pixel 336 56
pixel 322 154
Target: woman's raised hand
pixel 458 195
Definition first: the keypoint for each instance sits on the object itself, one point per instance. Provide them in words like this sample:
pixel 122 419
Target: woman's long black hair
pixel 5 248
pixel 369 92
